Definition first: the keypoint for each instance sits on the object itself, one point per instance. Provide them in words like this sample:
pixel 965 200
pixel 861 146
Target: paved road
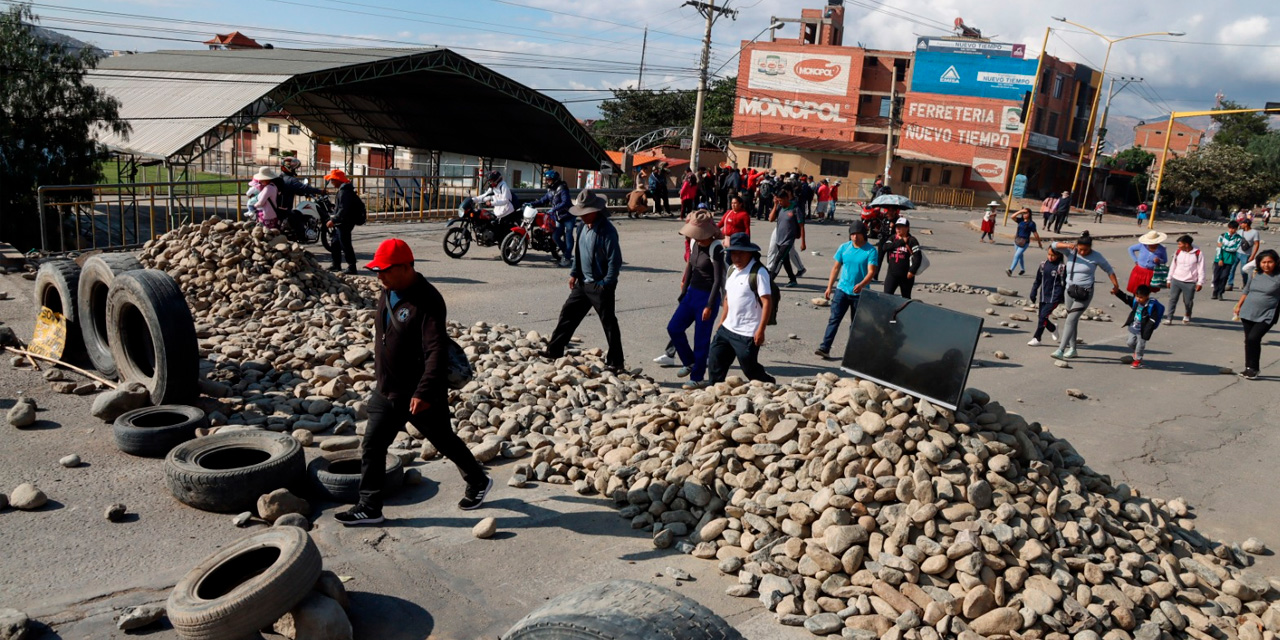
pixel 1176 428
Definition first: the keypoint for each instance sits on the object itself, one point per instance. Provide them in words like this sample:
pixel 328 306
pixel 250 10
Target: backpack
pixel 360 214
pixel 753 280
pixel 766 189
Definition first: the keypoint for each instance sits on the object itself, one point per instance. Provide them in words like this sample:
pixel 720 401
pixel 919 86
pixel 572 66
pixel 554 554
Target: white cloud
pixel 1248 29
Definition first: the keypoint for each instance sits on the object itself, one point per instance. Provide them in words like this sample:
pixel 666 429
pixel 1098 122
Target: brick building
pixel 1150 137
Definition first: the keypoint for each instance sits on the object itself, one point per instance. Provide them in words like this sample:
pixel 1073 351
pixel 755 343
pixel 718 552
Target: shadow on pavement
pixel 605 521
pixel 375 615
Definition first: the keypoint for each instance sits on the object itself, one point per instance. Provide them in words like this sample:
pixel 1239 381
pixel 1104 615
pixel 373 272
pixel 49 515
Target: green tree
pixel 631 113
pixel 1238 129
pixel 1222 173
pixel 1266 150
pixel 48 118
pixel 1138 161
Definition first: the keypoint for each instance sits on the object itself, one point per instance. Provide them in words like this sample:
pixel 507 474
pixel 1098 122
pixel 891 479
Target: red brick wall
pixel 962 129
pixel 798 113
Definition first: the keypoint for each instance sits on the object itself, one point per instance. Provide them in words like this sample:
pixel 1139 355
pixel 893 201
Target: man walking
pixel 855 265
pixel 1060 211
pixel 748 305
pixel 789 230
pixel 593 279
pixel 411 367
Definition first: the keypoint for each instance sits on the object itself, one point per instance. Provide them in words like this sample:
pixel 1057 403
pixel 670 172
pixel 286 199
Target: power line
pixel 592 19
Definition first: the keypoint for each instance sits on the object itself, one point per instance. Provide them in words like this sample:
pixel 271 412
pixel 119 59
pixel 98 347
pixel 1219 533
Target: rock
pixel 22 415
pixel 112 404
pixel 330 585
pixel 1076 393
pixel 63 387
pixel 1001 621
pixel 27 497
pixel 997 300
pixel 1000 355
pixel 116 512
pixel 304 437
pixel 293 520
pixel 340 443
pixel 317 617
pixel 138 617
pixel 1254 546
pixel 1004 291
pixel 242 519
pixel 485 528
pixel 664 539
pixel 412 477
pixel 70 461
pixel 280 502
pixel 1061 364
pixel 678 575
pixel 14 625
pixel 824 624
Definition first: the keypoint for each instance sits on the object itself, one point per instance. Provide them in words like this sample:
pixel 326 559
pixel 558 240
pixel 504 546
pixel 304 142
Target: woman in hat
pixel 989 223
pixel 699 298
pixel 268 196
pixel 1147 254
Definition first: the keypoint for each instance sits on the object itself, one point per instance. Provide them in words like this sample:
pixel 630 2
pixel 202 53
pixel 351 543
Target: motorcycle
pixel 307 223
pixel 477 225
pixel 535 232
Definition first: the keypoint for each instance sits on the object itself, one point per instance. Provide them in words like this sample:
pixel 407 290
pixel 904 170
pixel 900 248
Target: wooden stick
pixel 34 365
pixel 55 361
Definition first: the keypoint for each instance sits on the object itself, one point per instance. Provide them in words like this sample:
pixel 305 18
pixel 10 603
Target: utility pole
pixel 711 11
pixel 893 105
pixel 644 44
pixel 1102 130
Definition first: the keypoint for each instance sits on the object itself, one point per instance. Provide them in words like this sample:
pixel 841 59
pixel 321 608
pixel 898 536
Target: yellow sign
pixel 51 334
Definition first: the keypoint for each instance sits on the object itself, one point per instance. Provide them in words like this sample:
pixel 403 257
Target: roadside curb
pixel 1008 232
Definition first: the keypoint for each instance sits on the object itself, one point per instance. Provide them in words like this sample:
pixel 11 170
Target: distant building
pixel 1150 138
pixel 232 41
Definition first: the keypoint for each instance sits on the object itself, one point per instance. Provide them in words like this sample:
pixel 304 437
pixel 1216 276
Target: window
pixel 1181 134
pixel 901 67
pixel 760 160
pixel 1044 81
pixel 1053 124
pixel 273 151
pixel 946 177
pixel 906 174
pixel 865 99
pixel 273 128
pixel 925 174
pixel 1039 128
pixel 294 130
pixel 870 61
pixel 1057 86
pixel 834 167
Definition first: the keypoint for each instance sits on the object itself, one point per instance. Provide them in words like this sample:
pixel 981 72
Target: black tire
pixel 311 231
pixel 58 287
pixel 152 336
pixel 246 586
pixel 514 248
pixel 152 432
pixel 228 472
pixel 326 238
pixel 456 242
pixel 336 476
pixel 96 277
pixel 622 610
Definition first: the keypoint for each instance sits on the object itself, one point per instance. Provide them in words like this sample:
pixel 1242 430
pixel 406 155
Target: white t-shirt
pixel 745 309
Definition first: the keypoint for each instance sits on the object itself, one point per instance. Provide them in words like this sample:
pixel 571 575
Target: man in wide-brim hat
pixel 700 290
pixel 593 279
pixel 748 304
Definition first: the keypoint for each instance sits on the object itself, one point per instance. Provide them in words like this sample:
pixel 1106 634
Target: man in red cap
pixel 349 211
pixel 411 364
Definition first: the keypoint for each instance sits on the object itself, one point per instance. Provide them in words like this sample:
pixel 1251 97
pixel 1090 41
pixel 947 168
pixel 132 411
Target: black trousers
pixel 1253 333
pixel 1045 319
pixel 901 283
pixel 1220 274
pixel 661 201
pixel 342 244
pixel 583 298
pixel 386 418
pixel 724 347
pixel 1058 220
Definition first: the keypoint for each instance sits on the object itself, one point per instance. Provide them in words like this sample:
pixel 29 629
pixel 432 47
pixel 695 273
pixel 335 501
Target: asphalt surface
pixel 1175 428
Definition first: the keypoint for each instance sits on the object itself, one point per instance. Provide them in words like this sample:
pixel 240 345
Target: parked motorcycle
pixel 307 223
pixel 535 232
pixel 477 225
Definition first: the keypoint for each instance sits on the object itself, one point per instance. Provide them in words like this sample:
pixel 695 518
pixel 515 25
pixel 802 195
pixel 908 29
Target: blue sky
pixel 575 49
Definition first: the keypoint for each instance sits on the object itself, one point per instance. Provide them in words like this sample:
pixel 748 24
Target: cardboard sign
pixel 51 334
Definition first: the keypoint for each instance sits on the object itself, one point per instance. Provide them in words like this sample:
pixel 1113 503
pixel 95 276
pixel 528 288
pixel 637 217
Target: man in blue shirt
pixel 855 265
pixel 593 279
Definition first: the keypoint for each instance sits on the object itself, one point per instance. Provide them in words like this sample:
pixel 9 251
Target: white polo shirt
pixel 745 309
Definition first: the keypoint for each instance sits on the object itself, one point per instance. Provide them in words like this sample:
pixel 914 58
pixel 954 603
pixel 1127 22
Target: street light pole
pixel 710 10
pixel 1028 119
pixel 1102 126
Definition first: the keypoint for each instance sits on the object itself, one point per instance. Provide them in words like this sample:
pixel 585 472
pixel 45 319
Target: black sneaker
pixel 822 353
pixel 335 267
pixel 475 495
pixel 351 271
pixel 359 515
pixel 1249 374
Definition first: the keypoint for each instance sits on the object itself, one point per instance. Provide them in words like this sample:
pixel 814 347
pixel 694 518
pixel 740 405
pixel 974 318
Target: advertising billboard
pixel 989 49
pixel 959 74
pixel 797 72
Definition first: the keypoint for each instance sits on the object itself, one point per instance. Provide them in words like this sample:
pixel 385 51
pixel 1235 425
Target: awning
pixel 922 157
pixel 801 143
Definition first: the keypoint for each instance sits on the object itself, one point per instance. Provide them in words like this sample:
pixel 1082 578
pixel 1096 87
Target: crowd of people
pixel 715 188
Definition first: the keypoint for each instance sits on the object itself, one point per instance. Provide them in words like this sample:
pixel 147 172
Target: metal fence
pixel 941 196
pixel 123 216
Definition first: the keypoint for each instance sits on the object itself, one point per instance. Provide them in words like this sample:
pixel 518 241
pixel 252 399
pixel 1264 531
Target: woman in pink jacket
pixel 1186 277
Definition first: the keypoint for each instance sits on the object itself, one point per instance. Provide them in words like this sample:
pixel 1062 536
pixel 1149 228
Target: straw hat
pixel 701 226
pixel 993 203
pixel 266 174
pixel 1153 237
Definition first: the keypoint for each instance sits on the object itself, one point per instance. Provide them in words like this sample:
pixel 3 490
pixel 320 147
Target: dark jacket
pixel 1152 315
pixel 410 349
pixel 1052 276
pixel 291 186
pixel 607 257
pixel 717 275
pixel 731 182
pixel 558 197
pixel 903 255
pixel 1063 206
pixel 348 207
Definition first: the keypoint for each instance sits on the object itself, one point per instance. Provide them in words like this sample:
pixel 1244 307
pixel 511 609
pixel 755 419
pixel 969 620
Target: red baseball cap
pixel 391 252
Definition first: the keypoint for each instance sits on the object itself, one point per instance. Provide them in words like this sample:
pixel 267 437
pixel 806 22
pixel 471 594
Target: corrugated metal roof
pixel 166 110
pixel 286 62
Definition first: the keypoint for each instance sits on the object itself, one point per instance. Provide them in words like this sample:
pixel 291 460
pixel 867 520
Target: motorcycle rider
pixel 290 186
pixel 557 197
pixel 499 195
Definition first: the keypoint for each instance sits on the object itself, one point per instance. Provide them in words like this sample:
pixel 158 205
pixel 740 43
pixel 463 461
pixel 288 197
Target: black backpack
pixel 361 214
pixel 753 280
pixel 766 189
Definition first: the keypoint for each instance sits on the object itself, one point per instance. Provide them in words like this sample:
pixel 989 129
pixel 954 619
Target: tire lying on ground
pixel 153 431
pixel 96 277
pixel 246 586
pixel 336 476
pixel 57 287
pixel 152 335
pixel 622 610
pixel 228 472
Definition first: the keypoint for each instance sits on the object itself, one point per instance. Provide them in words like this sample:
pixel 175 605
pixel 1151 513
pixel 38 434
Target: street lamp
pixel 1098 94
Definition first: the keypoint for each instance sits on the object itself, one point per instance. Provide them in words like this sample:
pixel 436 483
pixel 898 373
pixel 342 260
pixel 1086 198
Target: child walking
pixel 989 223
pixel 1145 315
pixel 1051 283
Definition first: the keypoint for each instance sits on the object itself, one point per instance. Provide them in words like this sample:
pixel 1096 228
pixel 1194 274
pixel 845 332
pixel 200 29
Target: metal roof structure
pixel 181 103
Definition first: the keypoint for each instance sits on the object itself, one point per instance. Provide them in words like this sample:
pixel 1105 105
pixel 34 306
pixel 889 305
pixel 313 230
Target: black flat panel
pixel 918 348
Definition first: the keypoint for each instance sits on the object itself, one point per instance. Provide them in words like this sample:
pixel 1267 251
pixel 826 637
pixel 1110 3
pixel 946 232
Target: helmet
pixel 494 176
pixel 551 175
pixel 290 164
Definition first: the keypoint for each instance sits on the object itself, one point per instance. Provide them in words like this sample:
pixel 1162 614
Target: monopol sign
pixel 790 109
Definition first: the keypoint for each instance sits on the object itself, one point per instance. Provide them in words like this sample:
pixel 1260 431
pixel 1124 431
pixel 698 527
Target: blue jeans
pixel 841 303
pixel 690 313
pixel 1019 262
pixel 1241 259
pixel 563 237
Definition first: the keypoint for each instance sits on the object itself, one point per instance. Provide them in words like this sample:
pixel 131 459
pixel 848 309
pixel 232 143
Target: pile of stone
pixel 954 287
